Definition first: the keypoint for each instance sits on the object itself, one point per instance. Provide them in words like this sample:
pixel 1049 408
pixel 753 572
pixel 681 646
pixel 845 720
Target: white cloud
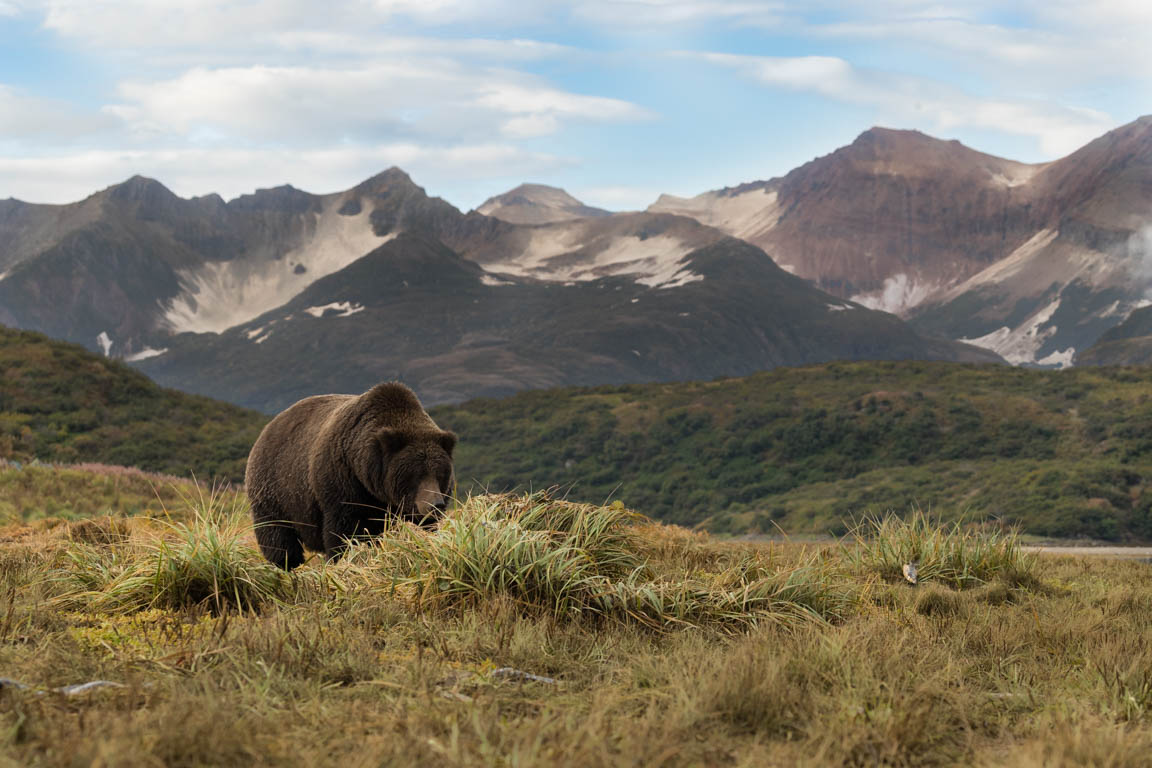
pixel 430 98
pixel 910 101
pixel 1035 54
pixel 530 126
pixel 65 177
pixel 646 13
pixel 24 117
pixel 368 44
pixel 8 9
pixel 1050 42
pixel 256 24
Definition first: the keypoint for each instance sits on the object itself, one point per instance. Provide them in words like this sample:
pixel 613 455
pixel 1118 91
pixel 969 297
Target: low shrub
pixel 199 562
pixel 952 554
pixel 581 560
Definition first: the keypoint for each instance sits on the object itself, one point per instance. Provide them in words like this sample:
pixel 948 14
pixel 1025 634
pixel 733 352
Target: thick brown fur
pixel 332 468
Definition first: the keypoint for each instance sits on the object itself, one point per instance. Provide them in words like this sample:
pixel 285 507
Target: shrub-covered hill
pixel 1062 453
pixel 61 403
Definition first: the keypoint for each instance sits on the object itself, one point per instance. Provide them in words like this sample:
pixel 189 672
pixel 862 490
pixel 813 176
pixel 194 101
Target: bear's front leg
pixel 340 526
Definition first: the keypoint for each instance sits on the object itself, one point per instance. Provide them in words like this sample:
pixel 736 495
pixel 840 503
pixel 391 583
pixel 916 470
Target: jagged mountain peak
pixel 387 182
pixel 537 204
pixel 139 189
pixel 282 198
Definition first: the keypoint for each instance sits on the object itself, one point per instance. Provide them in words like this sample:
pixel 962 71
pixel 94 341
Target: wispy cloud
pixel 285 81
pixel 439 99
pixel 24 117
pixel 910 101
pixel 646 13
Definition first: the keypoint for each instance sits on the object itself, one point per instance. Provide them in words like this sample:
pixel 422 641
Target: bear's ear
pixel 448 441
pixel 393 440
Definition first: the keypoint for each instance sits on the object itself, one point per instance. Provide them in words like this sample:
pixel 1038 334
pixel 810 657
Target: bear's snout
pixel 431 502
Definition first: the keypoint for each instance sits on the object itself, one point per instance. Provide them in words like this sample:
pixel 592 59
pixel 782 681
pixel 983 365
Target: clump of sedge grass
pixel 582 560
pixel 951 554
pixel 199 562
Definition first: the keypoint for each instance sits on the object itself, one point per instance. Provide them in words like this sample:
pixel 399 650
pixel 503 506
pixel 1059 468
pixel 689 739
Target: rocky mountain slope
pixel 1032 261
pixel 415 310
pixel 537 204
pixel 134 263
pixel 334 292
pixel 1129 343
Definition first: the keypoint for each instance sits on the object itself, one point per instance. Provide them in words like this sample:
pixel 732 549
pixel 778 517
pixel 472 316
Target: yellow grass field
pixel 528 631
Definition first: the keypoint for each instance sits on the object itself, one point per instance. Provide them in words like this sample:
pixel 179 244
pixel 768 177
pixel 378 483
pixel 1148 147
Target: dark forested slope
pixel 1065 453
pixel 61 403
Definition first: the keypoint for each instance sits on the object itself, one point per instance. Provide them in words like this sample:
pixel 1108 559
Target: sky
pixel 617 101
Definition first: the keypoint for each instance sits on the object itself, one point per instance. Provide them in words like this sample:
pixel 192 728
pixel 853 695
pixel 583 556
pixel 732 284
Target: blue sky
pixel 615 100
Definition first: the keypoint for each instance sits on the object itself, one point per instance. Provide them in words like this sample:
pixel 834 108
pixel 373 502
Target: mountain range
pixel 897 246
pixel 1034 262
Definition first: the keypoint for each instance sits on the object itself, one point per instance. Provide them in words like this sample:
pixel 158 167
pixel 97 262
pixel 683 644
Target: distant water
pixel 1053 549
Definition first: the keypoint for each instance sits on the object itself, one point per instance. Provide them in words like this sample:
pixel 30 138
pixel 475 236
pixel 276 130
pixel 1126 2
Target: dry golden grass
pixel 355 664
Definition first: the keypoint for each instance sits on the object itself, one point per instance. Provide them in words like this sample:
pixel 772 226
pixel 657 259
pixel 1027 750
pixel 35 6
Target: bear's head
pixel 416 481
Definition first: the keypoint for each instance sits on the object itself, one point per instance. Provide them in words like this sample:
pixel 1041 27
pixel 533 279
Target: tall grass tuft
pixel 583 561
pixel 202 561
pixel 953 555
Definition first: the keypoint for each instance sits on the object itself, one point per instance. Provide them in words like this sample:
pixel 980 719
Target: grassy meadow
pixel 531 631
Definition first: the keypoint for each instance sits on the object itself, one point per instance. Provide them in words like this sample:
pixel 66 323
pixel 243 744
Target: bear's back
pixel 278 463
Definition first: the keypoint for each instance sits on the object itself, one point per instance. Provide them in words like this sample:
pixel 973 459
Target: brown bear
pixel 332 468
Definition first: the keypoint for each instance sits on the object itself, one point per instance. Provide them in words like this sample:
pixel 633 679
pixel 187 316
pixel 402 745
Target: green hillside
pixel 61 403
pixel 1062 453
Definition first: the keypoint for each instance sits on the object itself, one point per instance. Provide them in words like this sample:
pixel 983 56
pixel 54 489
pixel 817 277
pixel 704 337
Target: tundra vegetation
pixel 1058 453
pixel 648 644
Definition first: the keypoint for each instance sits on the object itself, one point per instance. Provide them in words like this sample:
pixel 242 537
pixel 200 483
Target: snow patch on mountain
pixel 1060 359
pixel 1014 175
pixel 342 308
pixel 899 295
pixel 105 342
pixel 557 253
pixel 493 281
pixel 144 354
pixel 839 307
pixel 223 294
pixel 1019 345
pixel 682 277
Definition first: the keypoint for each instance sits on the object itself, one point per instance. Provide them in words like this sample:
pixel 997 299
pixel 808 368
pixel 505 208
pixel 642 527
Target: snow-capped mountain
pixel 1031 261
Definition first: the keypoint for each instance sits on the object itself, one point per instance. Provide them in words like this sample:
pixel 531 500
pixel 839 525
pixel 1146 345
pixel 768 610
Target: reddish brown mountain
pixel 1033 261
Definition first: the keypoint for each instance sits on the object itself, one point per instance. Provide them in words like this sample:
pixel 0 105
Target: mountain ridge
pixel 416 310
pixel 971 249
pixel 537 204
pixel 1028 260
